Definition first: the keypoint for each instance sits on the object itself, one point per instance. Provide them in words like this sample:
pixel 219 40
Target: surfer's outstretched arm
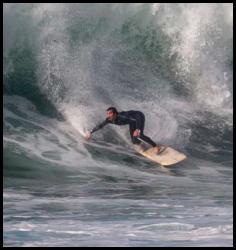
pixel 99 126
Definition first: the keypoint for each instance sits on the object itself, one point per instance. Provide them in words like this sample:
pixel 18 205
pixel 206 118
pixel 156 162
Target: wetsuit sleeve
pixel 99 126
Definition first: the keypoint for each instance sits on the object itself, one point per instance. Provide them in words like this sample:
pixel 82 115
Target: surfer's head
pixel 111 113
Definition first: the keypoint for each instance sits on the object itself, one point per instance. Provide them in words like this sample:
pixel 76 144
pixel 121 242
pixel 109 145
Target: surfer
pixel 135 120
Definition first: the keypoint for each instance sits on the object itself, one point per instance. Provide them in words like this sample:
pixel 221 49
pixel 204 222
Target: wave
pixel 71 61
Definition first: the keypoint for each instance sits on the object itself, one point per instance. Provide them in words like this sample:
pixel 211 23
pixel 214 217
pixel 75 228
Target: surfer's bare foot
pixel 157 149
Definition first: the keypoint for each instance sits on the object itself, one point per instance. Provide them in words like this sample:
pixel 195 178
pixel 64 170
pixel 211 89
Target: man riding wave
pixel 135 120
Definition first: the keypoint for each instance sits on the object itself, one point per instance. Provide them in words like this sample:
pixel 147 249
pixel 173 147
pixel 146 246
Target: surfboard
pixel 166 157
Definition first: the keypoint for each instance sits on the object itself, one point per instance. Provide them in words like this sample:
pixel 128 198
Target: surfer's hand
pixel 88 135
pixel 136 132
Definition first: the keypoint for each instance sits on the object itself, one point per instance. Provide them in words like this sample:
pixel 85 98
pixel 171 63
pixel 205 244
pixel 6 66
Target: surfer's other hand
pixel 136 132
pixel 88 135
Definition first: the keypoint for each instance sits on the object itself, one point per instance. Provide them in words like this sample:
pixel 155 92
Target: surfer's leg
pixel 151 142
pixel 147 139
pixel 143 136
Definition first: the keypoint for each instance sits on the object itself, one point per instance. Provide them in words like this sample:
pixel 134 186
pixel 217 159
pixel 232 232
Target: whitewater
pixel 64 64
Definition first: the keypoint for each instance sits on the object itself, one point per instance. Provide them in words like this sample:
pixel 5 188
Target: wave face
pixel 64 64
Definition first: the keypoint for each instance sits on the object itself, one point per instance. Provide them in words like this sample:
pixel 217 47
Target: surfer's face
pixel 110 115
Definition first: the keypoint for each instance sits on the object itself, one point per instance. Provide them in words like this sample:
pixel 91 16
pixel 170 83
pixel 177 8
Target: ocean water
pixel 64 64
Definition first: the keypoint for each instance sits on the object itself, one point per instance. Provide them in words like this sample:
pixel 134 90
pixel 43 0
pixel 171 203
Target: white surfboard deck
pixel 167 156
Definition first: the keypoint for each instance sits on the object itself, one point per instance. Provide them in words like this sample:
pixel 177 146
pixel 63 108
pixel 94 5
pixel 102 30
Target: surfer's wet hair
pixel 113 109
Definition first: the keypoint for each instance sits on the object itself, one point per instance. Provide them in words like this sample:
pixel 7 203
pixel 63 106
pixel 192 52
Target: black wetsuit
pixel 135 119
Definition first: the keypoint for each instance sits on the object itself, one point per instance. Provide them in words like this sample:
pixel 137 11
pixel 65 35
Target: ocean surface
pixel 64 64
